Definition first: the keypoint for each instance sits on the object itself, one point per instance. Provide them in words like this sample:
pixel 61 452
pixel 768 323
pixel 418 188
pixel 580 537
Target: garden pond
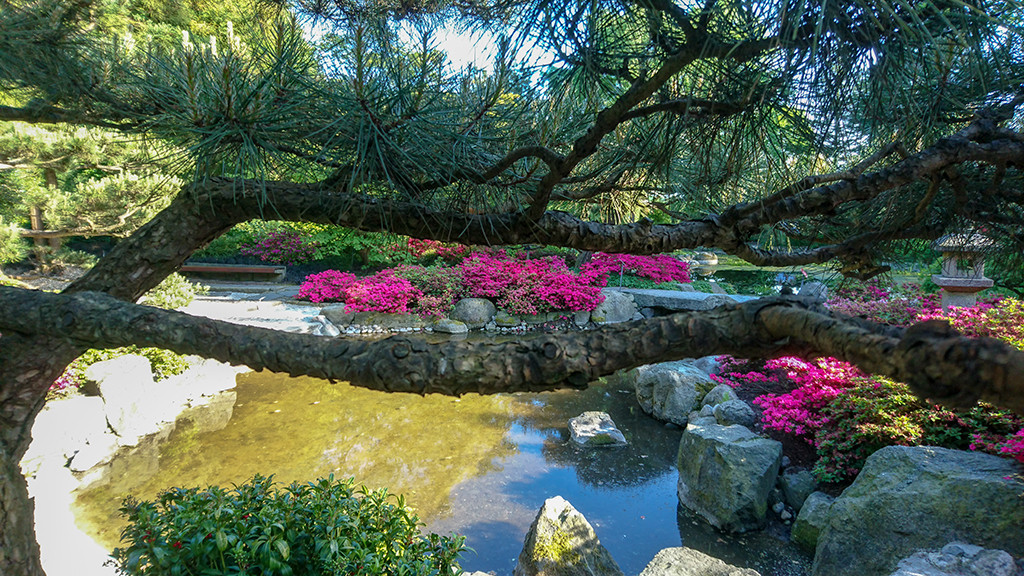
pixel 477 465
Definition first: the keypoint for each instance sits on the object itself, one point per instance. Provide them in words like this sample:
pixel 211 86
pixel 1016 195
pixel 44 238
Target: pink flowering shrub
pixel 529 286
pixel 327 286
pixel 517 286
pixel 660 268
pixel 283 246
pixel 1014 446
pixel 815 385
pixel 382 292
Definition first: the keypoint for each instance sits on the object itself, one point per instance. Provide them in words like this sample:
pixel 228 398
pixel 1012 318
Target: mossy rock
pixel 562 543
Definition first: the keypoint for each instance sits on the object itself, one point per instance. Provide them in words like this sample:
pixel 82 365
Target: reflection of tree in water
pixel 299 429
pixel 652 446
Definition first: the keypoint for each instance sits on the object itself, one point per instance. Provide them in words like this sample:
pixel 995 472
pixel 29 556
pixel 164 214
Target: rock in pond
pixel 670 391
pixel 690 562
pixel 726 474
pixel 958 559
pixel 474 312
pixel 561 542
pixel 911 498
pixel 595 429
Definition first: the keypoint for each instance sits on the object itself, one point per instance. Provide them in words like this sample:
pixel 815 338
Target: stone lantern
pixel 963 268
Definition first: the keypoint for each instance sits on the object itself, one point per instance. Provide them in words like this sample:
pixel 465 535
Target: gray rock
pixel 581 318
pixel 561 542
pixel 617 307
pixel 678 300
pixel 595 429
pixel 336 314
pixel 911 498
pixel 719 394
pixel 957 559
pixel 735 412
pixel 669 391
pixel 726 474
pixel 505 320
pixel 327 328
pixel 797 485
pixel 473 312
pixel 709 364
pixel 491 326
pixel 690 562
pixel 815 290
pixel 539 318
pixel 385 320
pixel 811 520
pixel 449 326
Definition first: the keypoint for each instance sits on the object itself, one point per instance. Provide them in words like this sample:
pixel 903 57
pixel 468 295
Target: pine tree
pixel 843 129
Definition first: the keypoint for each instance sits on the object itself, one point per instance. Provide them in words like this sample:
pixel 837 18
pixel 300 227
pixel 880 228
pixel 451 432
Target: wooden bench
pixel 234 271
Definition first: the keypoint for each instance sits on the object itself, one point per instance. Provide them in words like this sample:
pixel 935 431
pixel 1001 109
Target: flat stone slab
pixel 677 300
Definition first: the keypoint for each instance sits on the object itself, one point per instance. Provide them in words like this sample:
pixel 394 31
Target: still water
pixel 478 465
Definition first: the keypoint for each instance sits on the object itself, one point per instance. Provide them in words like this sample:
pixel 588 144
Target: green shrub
pixel 163 362
pixel 320 528
pixel 174 292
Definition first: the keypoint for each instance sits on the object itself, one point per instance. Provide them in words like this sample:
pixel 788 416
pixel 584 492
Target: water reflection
pixel 480 465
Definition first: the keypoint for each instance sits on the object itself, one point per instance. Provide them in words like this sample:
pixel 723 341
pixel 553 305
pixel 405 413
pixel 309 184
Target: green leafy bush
pixel 324 527
pixel 174 292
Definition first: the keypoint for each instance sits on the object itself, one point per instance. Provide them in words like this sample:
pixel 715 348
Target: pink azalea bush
pixel 521 286
pixel 660 268
pixel 846 415
pixel 516 284
pixel 283 246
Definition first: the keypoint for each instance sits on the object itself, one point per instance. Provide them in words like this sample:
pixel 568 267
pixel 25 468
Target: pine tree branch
pixel 937 362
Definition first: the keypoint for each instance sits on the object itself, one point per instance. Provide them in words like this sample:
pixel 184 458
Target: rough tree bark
pixel 935 361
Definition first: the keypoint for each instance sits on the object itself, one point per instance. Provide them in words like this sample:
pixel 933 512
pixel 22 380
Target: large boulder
pixel 617 307
pixel 473 312
pixel 958 559
pixel 561 542
pixel 133 403
pixel 726 474
pixel 911 498
pixel 690 562
pixel 53 437
pixel 670 391
pixel 811 520
pixel 595 429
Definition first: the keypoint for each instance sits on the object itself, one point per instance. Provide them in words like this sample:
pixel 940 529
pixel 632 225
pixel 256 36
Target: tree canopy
pixel 783 132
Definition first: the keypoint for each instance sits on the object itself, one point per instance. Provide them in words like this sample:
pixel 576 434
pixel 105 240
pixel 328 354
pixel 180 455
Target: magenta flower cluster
pixel 660 268
pixel 816 384
pixel 521 286
pixel 517 285
pixel 283 246
pixel 846 415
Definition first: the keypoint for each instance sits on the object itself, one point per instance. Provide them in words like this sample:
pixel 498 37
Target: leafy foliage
pixel 847 415
pixel 325 527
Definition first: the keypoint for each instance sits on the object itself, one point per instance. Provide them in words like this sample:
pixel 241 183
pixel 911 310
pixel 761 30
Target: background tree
pixel 848 127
